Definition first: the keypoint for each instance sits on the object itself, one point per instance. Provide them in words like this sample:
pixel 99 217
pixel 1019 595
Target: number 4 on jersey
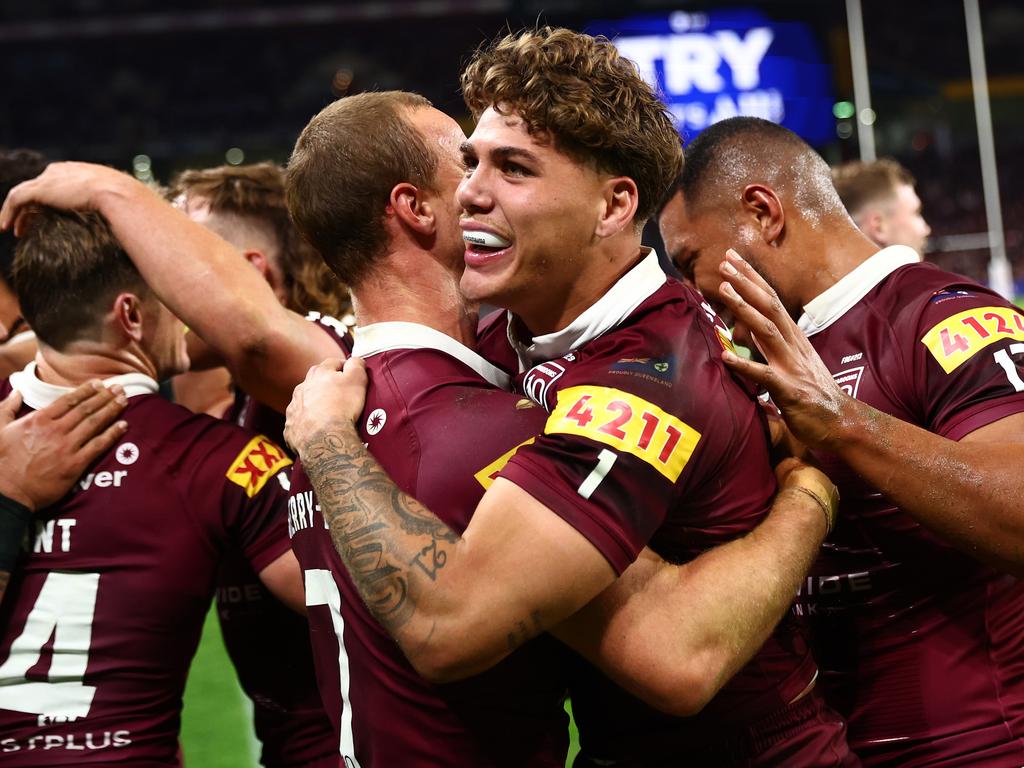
pixel 63 610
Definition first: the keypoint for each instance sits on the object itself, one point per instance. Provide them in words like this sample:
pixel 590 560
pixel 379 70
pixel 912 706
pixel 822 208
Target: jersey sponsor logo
pixel 959 337
pixel 375 421
pixel 537 382
pixel 127 453
pixel 256 464
pixel 489 474
pixel 627 423
pixel 945 295
pixel 849 380
pixel 851 358
pixel 659 369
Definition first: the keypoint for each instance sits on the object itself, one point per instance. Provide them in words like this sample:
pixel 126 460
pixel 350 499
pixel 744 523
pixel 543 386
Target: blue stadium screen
pixel 710 66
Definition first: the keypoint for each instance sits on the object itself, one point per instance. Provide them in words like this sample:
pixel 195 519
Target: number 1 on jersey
pixel 1002 357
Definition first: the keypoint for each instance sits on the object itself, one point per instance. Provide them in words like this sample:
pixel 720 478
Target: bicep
pixel 270 370
pixel 528 567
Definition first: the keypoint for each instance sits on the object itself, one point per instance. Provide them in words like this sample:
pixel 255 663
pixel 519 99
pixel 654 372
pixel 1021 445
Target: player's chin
pixel 486 283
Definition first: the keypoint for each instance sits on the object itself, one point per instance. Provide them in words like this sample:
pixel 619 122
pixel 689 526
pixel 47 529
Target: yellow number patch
pixel 957 339
pixel 627 423
pixel 488 474
pixel 257 463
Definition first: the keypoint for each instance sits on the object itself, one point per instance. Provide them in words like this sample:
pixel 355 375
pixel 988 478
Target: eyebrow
pixel 501 153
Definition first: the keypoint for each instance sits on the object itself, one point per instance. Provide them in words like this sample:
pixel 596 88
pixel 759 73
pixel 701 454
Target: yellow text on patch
pixel 258 462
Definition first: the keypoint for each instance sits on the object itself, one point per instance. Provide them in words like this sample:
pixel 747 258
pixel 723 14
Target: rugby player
pixel 648 437
pixel 268 643
pixel 44 454
pixel 684 636
pixel 906 381
pixel 880 198
pixel 104 613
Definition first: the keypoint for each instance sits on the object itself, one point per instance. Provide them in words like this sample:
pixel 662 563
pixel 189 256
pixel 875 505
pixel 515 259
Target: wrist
pixel 15 496
pixel 14 520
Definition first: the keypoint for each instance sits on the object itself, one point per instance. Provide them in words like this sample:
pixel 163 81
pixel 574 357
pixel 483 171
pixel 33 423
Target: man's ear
pixel 127 314
pixel 762 203
pixel 410 205
pixel 873 223
pixel 619 201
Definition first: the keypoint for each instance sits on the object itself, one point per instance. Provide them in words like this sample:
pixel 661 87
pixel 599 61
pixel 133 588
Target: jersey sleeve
pixel 247 475
pixel 609 463
pixel 968 360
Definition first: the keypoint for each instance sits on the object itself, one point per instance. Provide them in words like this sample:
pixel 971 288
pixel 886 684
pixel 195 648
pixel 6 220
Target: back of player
pixel 429 397
pixel 921 645
pixel 650 439
pixel 288 714
pixel 103 616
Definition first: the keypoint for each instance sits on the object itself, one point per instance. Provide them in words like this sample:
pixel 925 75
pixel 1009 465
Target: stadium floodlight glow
pixel 142 164
pixel 234 156
pixel 843 110
pixel 867 116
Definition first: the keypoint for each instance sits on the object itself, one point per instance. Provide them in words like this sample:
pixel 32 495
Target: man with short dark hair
pixel 104 613
pixel 881 200
pixel 915 407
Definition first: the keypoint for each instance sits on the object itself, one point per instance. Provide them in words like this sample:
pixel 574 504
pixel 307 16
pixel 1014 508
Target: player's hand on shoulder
pixel 44 453
pixel 799 382
pixel 333 394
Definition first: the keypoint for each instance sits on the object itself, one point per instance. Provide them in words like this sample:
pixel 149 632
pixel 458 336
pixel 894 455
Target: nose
pixel 472 193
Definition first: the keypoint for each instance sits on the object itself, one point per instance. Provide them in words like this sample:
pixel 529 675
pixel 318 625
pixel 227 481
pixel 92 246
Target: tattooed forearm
pixel 383 536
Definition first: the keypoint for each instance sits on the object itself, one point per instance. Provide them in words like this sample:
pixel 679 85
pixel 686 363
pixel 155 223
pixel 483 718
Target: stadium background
pixel 154 87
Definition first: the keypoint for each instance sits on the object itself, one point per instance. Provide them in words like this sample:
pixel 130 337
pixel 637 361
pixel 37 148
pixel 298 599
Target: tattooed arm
pixel 456 605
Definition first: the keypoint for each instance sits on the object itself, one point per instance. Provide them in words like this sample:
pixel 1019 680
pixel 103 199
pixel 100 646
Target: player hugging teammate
pixel 575 495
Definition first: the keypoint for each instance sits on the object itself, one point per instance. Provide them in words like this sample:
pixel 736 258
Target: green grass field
pixel 216 724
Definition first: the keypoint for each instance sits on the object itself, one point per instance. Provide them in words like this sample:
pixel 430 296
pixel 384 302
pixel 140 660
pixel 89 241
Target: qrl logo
pixel 849 380
pixel 538 381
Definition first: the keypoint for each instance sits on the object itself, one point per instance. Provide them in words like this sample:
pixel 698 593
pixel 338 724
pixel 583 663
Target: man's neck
pixel 78 365
pixel 841 248
pixel 551 314
pixel 415 289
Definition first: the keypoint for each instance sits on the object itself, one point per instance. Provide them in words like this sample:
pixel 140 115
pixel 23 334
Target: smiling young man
pixel 908 389
pixel 648 437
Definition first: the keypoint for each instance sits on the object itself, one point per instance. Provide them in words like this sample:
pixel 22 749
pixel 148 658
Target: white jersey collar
pixel 37 394
pixel 385 337
pixel 628 293
pixel 830 305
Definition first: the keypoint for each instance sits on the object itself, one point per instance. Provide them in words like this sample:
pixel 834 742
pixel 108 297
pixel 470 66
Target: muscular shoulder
pixel 333 327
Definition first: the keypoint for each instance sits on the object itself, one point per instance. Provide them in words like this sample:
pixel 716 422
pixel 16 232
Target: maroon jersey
pixel 649 439
pixel 921 645
pixel 102 617
pixel 267 642
pixel 438 425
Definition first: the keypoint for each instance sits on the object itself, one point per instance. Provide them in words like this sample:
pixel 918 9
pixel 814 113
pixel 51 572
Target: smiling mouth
pixel 486 242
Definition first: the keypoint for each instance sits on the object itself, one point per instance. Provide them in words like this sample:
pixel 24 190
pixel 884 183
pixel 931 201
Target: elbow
pixel 682 694
pixel 439 665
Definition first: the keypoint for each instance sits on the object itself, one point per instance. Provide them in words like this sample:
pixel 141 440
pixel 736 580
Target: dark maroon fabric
pixel 267 642
pixel 921 646
pixel 140 539
pixel 667 353
pixel 437 428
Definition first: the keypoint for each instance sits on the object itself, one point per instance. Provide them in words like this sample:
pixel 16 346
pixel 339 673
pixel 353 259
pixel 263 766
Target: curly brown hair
pixel 257 192
pixel 589 99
